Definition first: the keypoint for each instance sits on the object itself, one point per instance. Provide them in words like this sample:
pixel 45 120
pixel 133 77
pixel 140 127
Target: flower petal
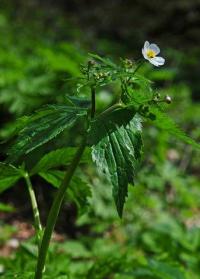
pixel 154 62
pixel 144 53
pixel 146 45
pixel 155 48
pixel 159 60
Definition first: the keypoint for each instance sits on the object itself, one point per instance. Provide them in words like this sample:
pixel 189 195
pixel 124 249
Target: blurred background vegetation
pixel 42 44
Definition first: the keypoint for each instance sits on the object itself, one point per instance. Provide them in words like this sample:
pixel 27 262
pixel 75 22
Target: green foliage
pixel 159 270
pixel 159 235
pixel 43 126
pixel 29 79
pixel 117 150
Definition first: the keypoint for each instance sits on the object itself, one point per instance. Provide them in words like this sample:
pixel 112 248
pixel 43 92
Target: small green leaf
pixel 116 150
pixel 9 175
pixel 43 126
pixel 78 191
pixel 164 122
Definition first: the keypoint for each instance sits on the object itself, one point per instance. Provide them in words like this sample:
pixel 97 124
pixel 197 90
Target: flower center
pixel 151 53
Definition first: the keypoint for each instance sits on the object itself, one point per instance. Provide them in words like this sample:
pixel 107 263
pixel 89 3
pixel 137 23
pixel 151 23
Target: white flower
pixel 150 51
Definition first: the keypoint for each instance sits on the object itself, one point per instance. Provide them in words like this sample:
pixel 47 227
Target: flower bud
pixel 168 99
pixel 91 62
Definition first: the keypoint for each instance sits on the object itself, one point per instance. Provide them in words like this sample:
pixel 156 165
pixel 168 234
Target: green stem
pixel 112 108
pixel 136 69
pixel 54 211
pixel 34 205
pixel 93 107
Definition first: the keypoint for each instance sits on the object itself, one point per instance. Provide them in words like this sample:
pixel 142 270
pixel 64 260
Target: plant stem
pixel 112 108
pixel 54 211
pixel 93 107
pixel 34 205
pixel 136 69
pixel 138 66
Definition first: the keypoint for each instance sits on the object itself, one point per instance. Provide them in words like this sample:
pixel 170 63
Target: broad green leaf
pixel 116 150
pixel 43 126
pixel 9 175
pixel 78 191
pixel 164 122
pixel 59 157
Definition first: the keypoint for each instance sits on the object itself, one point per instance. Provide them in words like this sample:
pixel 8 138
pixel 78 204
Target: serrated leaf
pixel 78 191
pixel 43 126
pixel 9 175
pixel 164 122
pixel 59 157
pixel 117 150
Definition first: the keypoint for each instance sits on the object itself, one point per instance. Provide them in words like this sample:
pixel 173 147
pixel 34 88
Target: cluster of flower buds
pixel 91 63
pixel 128 63
pixel 144 110
pixel 101 75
